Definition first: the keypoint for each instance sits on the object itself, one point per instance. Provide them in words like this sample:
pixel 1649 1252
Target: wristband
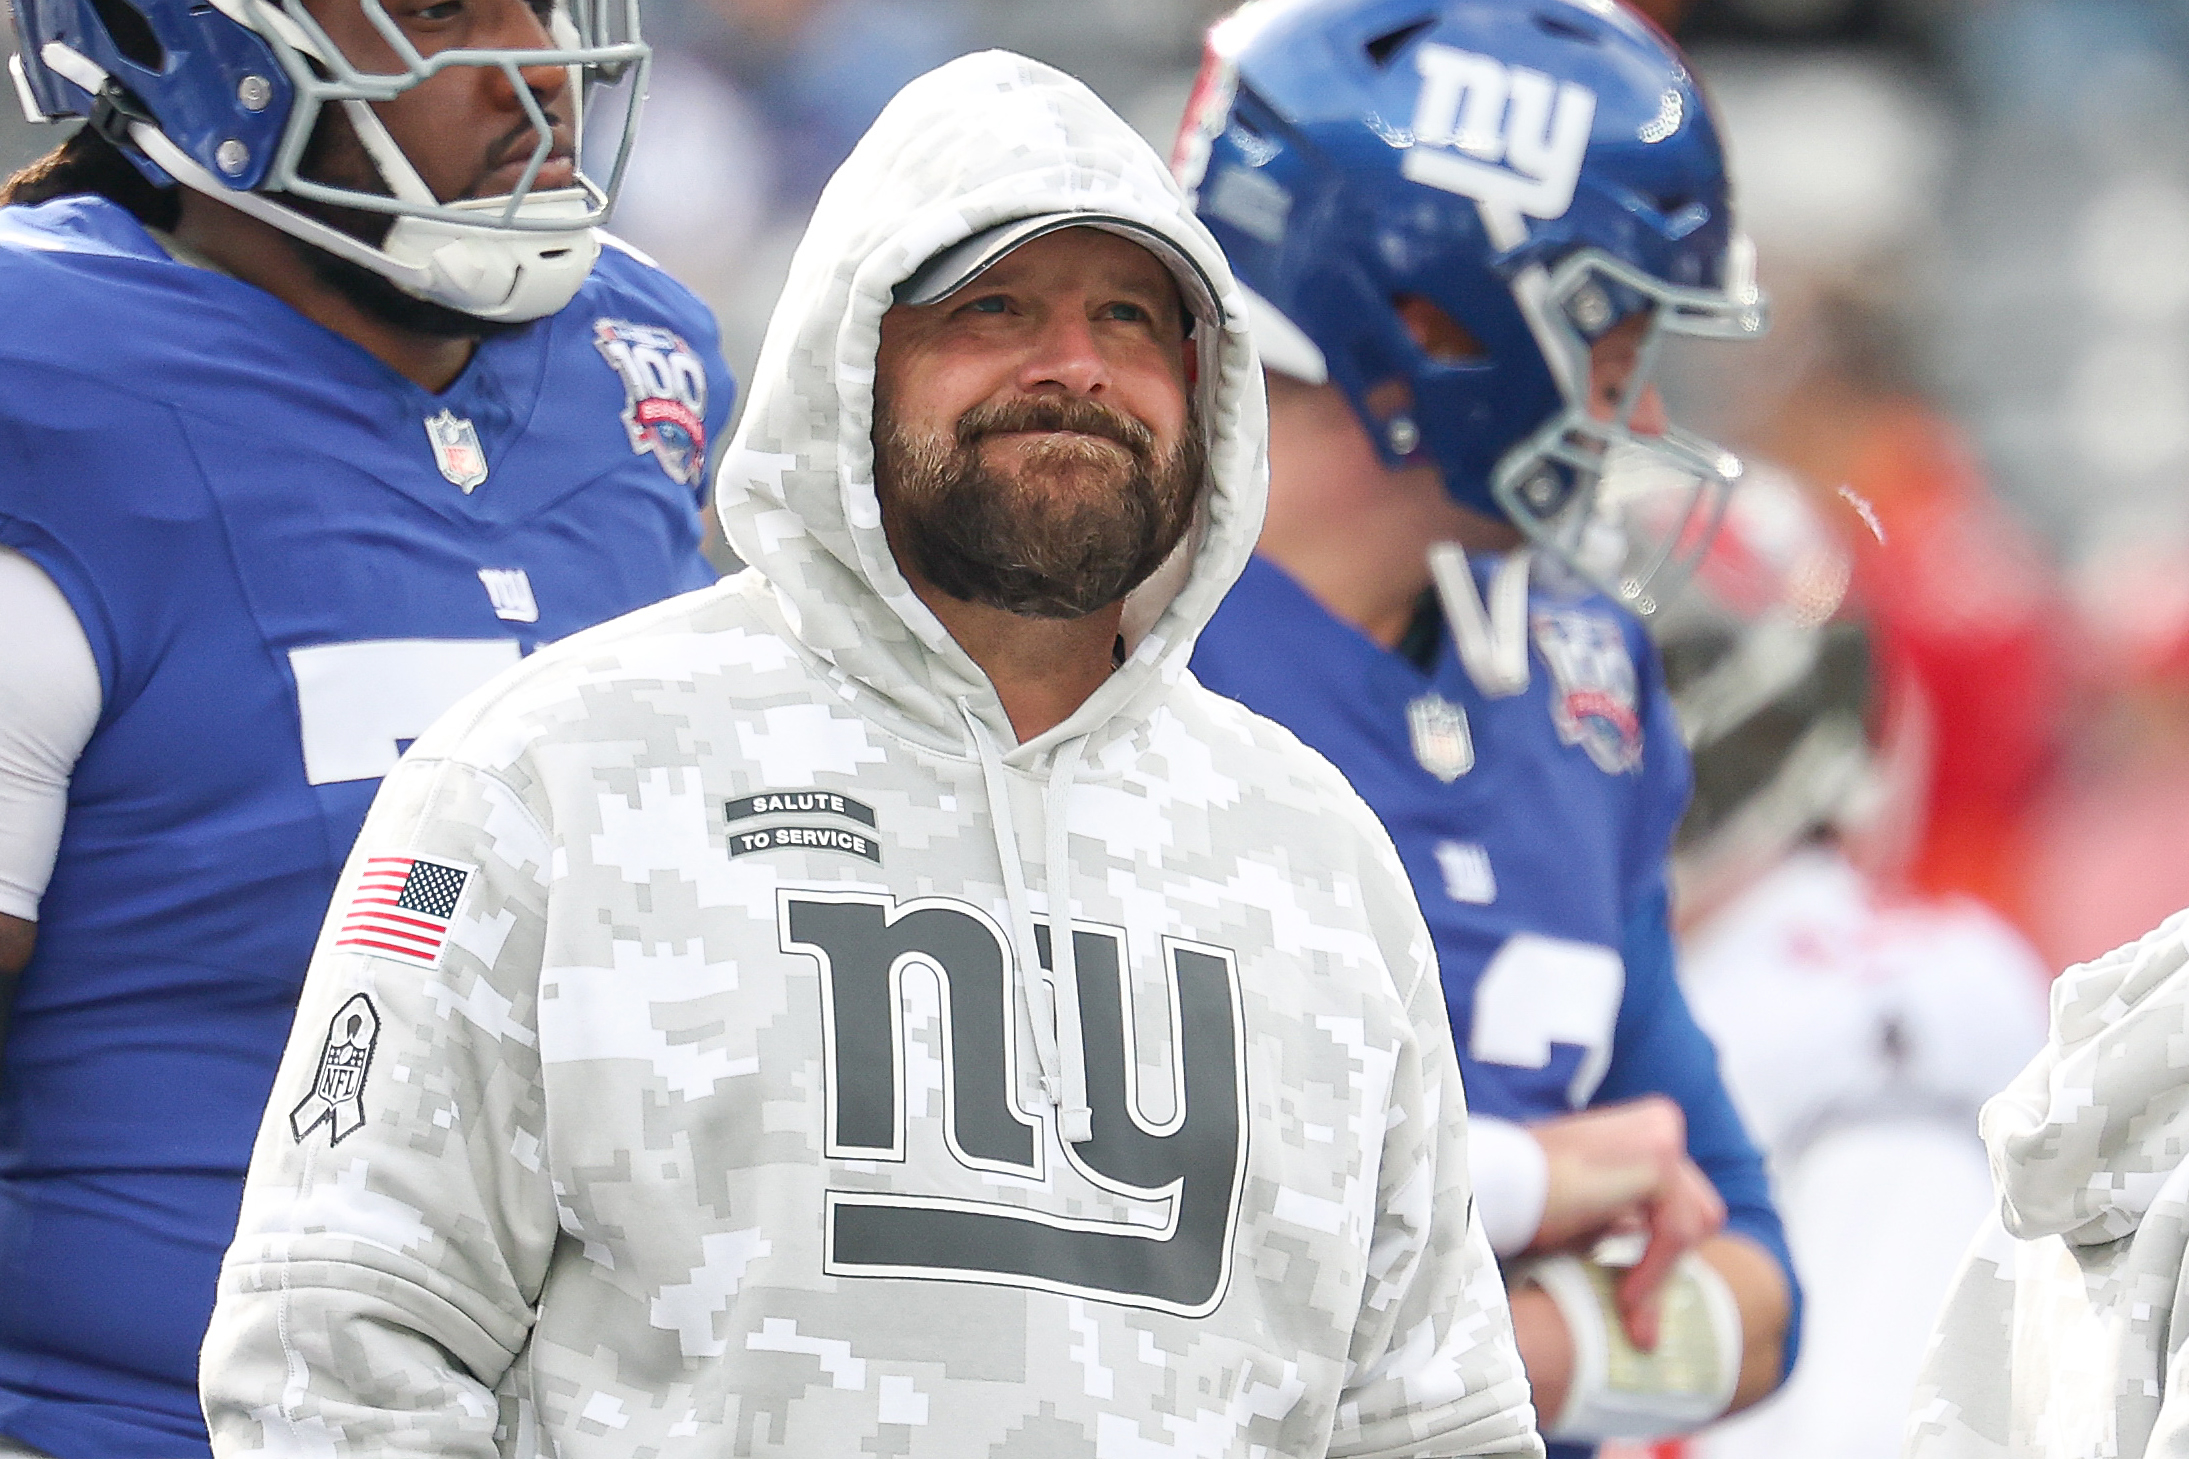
pixel 1511 1181
pixel 1620 1392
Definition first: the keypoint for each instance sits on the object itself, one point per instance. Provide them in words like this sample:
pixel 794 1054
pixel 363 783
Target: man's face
pixel 1612 360
pixel 464 129
pixel 1034 445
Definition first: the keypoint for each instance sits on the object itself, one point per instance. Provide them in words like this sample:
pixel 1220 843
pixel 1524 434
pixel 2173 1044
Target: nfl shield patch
pixel 1443 743
pixel 1594 703
pixel 456 449
pixel 664 394
pixel 337 1099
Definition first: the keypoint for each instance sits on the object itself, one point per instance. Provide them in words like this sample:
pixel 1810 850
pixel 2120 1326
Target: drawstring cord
pixel 1051 1016
pixel 1493 642
pixel 1075 1119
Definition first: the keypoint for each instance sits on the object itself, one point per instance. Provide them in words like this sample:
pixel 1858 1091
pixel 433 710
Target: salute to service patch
pixel 804 836
pixel 337 1099
pixel 402 908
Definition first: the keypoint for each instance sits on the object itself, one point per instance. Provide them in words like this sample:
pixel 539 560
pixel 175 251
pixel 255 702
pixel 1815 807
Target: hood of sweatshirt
pixel 2084 1138
pixel 984 140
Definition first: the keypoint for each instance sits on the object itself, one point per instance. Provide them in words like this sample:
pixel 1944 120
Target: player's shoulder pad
pixel 74 225
pixel 626 278
pixel 50 260
pixel 625 245
pixel 83 269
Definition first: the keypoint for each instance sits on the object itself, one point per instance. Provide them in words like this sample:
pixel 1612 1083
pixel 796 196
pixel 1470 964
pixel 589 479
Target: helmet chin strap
pixel 495 274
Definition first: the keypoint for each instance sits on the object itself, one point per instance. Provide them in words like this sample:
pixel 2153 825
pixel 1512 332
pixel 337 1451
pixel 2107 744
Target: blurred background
pixel 1973 216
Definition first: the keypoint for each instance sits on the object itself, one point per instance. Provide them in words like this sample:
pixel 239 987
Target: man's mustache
pixel 516 146
pixel 1056 413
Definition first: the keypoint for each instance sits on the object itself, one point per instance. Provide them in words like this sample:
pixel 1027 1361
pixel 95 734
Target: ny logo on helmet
pixel 1508 137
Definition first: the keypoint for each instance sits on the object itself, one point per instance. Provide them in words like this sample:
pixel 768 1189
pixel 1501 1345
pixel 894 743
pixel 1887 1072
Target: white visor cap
pixel 964 261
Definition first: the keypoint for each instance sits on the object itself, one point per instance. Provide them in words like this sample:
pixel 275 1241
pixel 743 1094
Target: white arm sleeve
pixel 1512 1181
pixel 49 703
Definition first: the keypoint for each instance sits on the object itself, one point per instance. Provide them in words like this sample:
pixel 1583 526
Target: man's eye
pixel 434 14
pixel 987 304
pixel 1127 313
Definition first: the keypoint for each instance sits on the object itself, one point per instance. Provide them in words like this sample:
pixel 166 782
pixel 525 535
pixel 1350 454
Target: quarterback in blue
pixel 322 399
pixel 1470 230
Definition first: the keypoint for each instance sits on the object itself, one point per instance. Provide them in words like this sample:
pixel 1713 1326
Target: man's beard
pixel 1081 523
pixel 336 158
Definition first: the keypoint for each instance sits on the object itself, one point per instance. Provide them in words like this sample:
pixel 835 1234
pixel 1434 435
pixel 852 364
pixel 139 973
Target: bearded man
pixel 882 1004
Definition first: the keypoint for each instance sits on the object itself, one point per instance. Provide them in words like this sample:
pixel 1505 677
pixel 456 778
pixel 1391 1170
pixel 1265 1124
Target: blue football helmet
pixel 222 96
pixel 1539 171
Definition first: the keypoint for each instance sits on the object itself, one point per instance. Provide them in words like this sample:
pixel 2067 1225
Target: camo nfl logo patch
pixel 456 449
pixel 1443 743
pixel 664 394
pixel 1594 703
pixel 402 909
pixel 337 1099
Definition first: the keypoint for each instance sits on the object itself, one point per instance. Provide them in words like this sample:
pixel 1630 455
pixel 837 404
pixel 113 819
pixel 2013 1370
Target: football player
pixel 321 400
pixel 1471 230
pixel 1859 1025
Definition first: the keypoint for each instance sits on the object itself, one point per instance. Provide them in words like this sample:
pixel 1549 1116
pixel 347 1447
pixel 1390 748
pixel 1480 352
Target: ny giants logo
pixel 1190 1167
pixel 1506 136
pixel 664 393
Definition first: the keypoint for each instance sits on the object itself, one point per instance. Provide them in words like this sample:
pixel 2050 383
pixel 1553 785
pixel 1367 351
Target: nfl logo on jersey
pixel 1442 742
pixel 664 394
pixel 456 449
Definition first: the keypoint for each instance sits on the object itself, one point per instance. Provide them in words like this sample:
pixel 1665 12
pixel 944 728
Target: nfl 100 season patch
pixel 456 449
pixel 337 1099
pixel 402 909
pixel 802 834
pixel 1594 700
pixel 664 394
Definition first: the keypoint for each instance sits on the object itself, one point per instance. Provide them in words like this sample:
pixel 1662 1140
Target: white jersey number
pixel 358 702
pixel 1539 991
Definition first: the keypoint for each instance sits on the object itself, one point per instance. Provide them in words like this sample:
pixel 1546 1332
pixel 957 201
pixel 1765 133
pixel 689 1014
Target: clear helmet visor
pixel 1612 485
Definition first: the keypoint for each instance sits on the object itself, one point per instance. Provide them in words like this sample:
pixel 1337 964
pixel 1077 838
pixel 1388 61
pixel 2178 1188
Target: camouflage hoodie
pixel 688 1065
pixel 2066 1334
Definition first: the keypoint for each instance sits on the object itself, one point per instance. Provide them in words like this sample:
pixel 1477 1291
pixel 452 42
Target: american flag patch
pixel 402 908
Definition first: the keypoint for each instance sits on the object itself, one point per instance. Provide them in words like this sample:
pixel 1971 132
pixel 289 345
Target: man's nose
pixel 518 27
pixel 1649 418
pixel 1066 354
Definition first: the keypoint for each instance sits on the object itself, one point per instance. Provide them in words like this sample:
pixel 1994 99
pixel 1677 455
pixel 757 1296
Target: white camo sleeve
pixel 1434 1368
pixel 397 1223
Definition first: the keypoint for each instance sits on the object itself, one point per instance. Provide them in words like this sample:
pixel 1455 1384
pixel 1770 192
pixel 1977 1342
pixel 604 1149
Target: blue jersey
pixel 288 560
pixel 1534 827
